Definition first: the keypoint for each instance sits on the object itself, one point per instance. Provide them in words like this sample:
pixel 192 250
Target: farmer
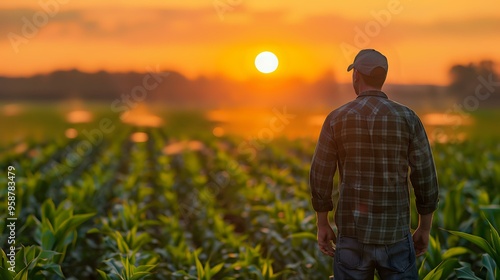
pixel 374 142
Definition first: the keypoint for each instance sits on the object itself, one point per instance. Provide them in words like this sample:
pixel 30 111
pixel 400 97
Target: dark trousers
pixel 355 260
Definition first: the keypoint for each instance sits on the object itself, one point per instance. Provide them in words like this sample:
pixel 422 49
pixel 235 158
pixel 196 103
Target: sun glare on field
pixel 266 62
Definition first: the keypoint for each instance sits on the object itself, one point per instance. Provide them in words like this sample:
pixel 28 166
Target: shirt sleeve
pixel 423 174
pixel 323 167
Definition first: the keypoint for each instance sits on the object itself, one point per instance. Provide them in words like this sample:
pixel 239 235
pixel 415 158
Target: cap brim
pixel 350 67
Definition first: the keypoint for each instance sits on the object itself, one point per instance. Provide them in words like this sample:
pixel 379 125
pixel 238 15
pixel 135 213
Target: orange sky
pixel 421 39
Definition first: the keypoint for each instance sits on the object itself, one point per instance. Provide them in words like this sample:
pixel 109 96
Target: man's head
pixel 370 70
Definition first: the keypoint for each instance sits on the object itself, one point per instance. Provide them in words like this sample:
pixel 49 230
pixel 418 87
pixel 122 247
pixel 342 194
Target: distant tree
pixel 465 78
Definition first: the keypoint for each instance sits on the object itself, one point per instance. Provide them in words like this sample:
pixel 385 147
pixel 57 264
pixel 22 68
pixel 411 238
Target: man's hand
pixel 326 236
pixel 421 234
pixel 326 239
pixel 421 241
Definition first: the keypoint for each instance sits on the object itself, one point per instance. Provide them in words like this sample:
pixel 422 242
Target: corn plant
pixel 491 260
pixel 251 265
pixel 436 255
pixel 127 257
pixel 58 227
pixel 125 270
pixel 203 272
pixel 216 211
pixel 32 262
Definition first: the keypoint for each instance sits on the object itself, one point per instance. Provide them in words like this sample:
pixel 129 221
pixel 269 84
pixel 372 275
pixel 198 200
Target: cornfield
pixel 168 203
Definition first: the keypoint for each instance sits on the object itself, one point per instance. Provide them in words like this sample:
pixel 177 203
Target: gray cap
pixel 367 60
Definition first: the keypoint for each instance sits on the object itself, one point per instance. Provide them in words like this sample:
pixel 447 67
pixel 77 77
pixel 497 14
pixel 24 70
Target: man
pixel 374 142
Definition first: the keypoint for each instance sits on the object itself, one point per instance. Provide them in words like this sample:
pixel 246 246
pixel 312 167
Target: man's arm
pixel 323 167
pixel 424 181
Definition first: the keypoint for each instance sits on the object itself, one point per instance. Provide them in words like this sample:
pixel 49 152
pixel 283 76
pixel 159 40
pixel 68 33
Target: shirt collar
pixel 376 93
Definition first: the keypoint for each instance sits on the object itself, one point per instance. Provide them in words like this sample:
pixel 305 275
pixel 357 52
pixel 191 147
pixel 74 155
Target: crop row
pixel 178 208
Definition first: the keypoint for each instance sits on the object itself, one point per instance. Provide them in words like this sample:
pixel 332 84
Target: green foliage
pixel 205 272
pixel 443 270
pixel 187 205
pixel 32 262
pixel 57 228
pixel 491 260
pixel 436 256
pixel 125 270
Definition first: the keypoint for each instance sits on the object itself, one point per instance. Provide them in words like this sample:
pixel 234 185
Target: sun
pixel 266 62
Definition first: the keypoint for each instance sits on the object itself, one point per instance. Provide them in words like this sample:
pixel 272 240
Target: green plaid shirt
pixel 374 142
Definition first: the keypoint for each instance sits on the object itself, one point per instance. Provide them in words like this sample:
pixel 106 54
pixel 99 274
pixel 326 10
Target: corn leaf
pixel 495 238
pixel 488 263
pixel 443 270
pixel 199 267
pixel 479 241
pixel 103 275
pixel 48 210
pixel 455 251
pixel 22 275
pixel 48 239
pixel 70 224
pixel 55 268
pixel 139 275
pixel 465 272
pixel 5 273
pixel 214 270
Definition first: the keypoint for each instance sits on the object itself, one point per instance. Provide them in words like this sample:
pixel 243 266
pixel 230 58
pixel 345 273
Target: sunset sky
pixel 422 39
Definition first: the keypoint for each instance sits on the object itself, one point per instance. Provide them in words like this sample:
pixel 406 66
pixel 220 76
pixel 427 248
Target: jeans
pixel 355 260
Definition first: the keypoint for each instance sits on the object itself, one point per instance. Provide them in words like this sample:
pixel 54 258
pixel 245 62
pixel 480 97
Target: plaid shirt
pixel 374 142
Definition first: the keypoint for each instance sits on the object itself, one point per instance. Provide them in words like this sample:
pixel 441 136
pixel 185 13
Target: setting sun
pixel 266 62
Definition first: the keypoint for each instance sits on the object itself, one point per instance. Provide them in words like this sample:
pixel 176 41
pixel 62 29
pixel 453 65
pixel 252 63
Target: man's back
pixel 373 140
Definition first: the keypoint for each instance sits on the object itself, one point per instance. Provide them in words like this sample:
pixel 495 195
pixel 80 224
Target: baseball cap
pixel 367 60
